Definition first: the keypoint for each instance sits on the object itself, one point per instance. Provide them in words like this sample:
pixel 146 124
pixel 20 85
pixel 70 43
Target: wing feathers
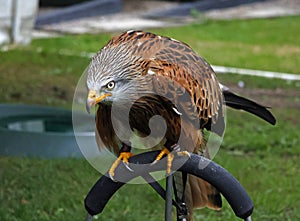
pixel 237 102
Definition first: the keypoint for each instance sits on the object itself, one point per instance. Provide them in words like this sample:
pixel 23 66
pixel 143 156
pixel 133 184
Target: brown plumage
pixel 163 77
pixel 143 63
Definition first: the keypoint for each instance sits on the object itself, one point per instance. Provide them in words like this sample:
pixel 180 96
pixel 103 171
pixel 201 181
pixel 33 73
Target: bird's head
pixel 113 75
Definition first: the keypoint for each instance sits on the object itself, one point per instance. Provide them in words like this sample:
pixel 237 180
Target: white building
pixel 17 18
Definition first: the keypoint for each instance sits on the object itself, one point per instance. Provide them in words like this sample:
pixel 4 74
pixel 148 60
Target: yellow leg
pixel 163 152
pixel 124 156
pixel 170 158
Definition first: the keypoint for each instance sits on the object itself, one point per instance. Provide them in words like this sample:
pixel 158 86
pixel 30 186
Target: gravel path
pixel 135 15
pixel 262 9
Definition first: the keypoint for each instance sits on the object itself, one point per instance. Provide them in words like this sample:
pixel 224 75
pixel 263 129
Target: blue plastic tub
pixel 36 131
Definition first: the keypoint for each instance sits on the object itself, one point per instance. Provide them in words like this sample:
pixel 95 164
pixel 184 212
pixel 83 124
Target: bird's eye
pixel 110 85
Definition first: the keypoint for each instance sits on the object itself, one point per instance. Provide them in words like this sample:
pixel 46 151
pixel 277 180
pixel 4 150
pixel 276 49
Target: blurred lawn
pixel 265 159
pixel 46 72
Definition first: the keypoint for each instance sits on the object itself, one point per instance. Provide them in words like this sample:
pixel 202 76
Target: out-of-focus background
pixel 46 45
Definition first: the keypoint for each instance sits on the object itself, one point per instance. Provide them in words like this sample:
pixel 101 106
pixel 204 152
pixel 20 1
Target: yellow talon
pixel 184 153
pixel 124 156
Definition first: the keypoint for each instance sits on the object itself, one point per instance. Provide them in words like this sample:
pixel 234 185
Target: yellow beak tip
pixel 92 99
pixel 102 97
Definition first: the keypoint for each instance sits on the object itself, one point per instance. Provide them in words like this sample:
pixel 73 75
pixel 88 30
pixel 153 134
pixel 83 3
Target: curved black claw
pixel 163 152
pixel 124 156
pixel 127 166
pixel 154 162
pixel 111 176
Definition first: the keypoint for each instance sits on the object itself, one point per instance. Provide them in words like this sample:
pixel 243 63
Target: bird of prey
pixel 161 76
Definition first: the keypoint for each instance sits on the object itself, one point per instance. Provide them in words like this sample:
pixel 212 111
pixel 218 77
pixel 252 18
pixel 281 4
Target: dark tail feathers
pixel 237 102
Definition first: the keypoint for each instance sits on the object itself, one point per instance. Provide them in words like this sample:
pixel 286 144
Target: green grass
pixel 255 44
pixel 265 159
pixel 42 73
pixel 37 189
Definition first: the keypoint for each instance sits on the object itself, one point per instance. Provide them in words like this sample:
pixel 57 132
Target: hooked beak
pixel 94 99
